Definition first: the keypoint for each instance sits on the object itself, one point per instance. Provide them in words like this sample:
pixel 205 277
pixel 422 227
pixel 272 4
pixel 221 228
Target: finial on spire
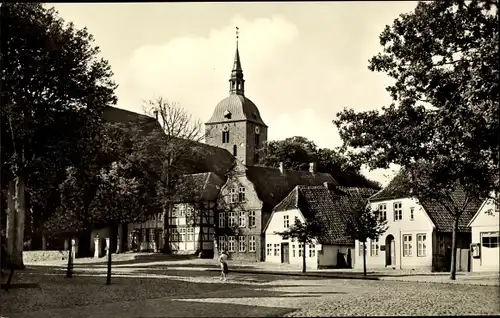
pixel 237 36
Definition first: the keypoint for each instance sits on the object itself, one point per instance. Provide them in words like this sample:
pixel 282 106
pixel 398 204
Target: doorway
pixel 390 251
pixel 285 253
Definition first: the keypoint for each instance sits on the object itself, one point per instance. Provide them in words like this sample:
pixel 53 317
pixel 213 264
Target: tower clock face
pixel 257 130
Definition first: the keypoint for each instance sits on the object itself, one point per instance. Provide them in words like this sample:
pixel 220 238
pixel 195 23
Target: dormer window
pixel 227 114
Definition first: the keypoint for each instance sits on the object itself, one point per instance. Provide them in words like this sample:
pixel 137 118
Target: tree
pixel 165 153
pixel 306 233
pixel 364 224
pixel 53 91
pixel 296 153
pixel 443 125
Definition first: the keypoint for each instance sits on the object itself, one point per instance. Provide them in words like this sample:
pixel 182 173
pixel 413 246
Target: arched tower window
pixel 235 150
pixel 225 137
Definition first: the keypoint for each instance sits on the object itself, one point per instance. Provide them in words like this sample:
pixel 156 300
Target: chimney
pixel 156 114
pixel 312 167
pixel 281 168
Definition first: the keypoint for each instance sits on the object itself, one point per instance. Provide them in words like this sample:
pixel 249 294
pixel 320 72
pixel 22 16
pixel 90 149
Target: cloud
pixel 194 70
pixel 305 123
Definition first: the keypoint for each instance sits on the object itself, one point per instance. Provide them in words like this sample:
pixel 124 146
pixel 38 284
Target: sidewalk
pixel 171 262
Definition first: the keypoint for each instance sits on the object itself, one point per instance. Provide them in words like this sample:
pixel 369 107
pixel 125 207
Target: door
pixel 393 252
pixel 285 253
pixel 390 251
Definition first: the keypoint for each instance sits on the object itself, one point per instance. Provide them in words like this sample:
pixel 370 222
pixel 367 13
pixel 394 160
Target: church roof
pixel 206 158
pixel 272 186
pixel 239 107
pixel 199 186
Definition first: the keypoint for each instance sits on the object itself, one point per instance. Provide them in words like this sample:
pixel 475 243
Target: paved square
pixel 143 292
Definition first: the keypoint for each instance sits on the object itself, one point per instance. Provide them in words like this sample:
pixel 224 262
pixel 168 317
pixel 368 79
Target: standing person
pixel 223 265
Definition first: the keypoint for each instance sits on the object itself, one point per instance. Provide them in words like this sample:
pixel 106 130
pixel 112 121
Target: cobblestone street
pixel 195 293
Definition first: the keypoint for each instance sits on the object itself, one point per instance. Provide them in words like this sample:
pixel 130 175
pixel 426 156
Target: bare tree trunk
pixel 453 270
pixel 11 216
pixel 304 258
pixel 364 258
pixel 16 205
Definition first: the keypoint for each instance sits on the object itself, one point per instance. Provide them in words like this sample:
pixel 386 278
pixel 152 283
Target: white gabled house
pixel 330 205
pixel 485 250
pixel 418 235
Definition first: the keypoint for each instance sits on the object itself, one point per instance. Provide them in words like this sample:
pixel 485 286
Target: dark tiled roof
pixel 331 207
pixel 444 220
pixel 399 187
pixel 204 158
pixel 272 185
pixel 199 186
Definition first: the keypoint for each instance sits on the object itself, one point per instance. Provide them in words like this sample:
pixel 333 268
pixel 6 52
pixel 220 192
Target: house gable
pixel 421 219
pixel 487 215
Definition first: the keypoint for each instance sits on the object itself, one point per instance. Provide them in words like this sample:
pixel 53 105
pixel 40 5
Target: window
pixel 190 234
pixel 293 250
pixel 222 243
pixel 286 221
pixel 182 210
pixel 301 247
pixel 189 210
pixel 490 239
pixel 231 243
pixel 242 196
pixel 360 247
pixel 234 196
pixel 151 235
pixel 276 250
pixel 257 140
pixel 225 137
pixel 312 251
pixel 242 244
pixel 174 211
pixel 374 247
pixel 412 211
pixel 243 219
pixel 421 244
pixel 398 211
pixel 182 232
pixel 222 220
pixel 251 244
pixel 407 245
pixel 235 150
pixel 251 218
pixel 269 249
pixel 232 219
pixel 382 209
pixel 175 235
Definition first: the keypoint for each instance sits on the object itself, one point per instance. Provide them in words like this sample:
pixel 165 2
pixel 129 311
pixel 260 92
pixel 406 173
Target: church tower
pixel 236 124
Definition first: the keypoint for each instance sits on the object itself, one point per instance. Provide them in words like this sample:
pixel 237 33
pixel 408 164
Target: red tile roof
pixel 331 206
pixel 399 187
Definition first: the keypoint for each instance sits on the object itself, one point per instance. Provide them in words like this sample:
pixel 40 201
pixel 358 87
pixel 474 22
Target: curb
pixel 296 274
pixel 354 277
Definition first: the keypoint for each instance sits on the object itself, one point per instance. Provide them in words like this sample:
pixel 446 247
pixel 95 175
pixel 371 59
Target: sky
pixel 303 62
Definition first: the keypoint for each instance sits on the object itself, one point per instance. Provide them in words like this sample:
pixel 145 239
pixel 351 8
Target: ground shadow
pixel 59 292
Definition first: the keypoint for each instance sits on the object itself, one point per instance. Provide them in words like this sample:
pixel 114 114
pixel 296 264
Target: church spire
pixel 236 82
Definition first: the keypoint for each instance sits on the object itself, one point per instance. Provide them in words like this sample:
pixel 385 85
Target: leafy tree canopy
pixel 297 153
pixel 445 116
